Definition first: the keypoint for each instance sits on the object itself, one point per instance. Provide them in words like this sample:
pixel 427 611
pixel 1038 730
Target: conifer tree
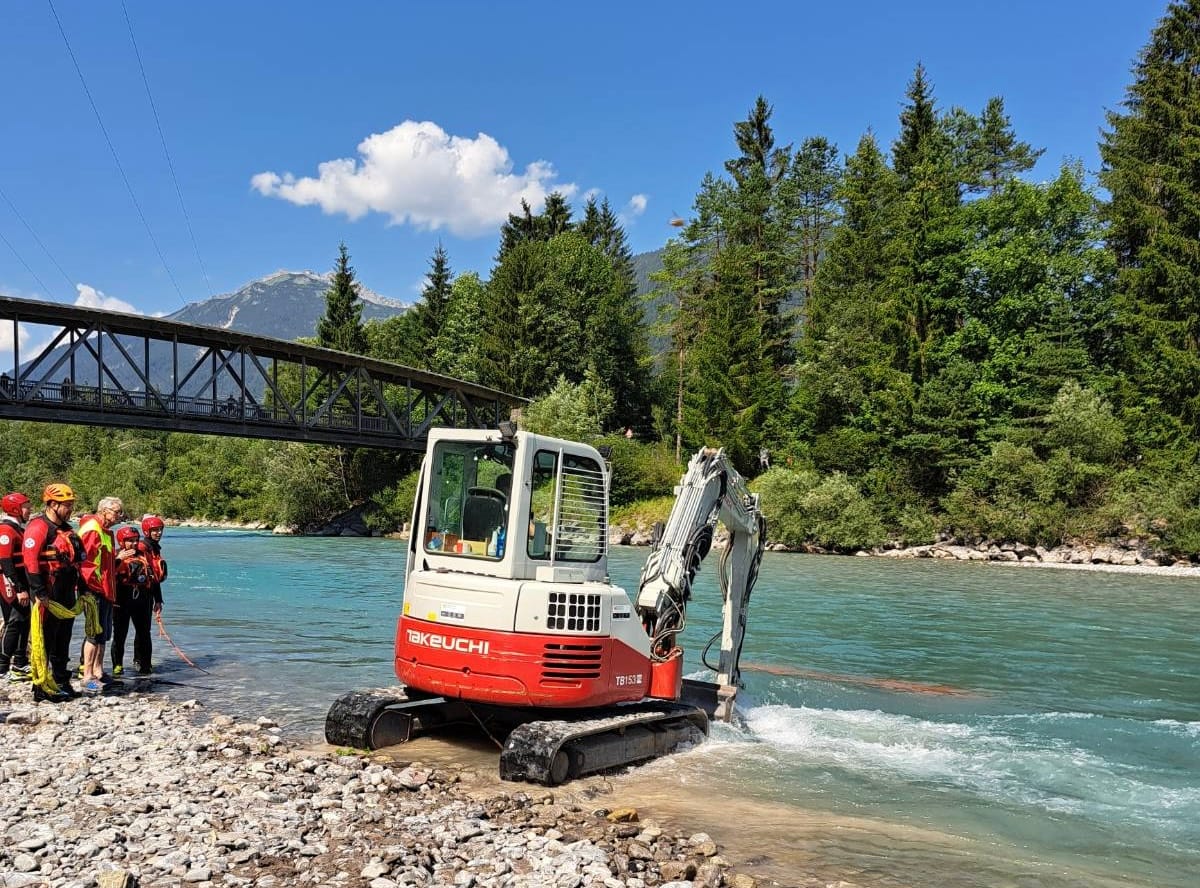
pixel 756 228
pixel 431 311
pixel 1150 156
pixel 809 205
pixel 925 288
pixel 341 327
pixel 998 153
pixel 849 395
pixel 554 219
pixel 919 127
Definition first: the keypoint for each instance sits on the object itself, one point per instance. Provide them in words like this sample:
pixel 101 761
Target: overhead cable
pixel 45 249
pixel 21 259
pixel 163 139
pixel 121 169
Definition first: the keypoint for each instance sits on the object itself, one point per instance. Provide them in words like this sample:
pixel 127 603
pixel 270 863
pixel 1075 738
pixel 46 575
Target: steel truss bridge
pixel 111 369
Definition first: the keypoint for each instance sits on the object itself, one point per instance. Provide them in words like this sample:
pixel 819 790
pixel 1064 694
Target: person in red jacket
pixel 52 554
pixel 152 528
pixel 14 588
pixel 99 574
pixel 135 601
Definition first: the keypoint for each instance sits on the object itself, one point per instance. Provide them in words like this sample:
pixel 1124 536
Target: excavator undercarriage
pixel 537 746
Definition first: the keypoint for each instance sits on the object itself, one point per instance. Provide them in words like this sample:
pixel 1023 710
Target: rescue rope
pixel 162 632
pixel 40 672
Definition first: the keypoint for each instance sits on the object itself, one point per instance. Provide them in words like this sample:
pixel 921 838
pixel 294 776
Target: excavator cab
pixel 520 507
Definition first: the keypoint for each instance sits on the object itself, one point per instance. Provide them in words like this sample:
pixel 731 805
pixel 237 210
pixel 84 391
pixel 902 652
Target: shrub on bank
pixel 394 504
pixel 640 471
pixel 801 508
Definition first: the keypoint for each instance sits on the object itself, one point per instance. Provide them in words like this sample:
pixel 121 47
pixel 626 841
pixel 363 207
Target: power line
pixel 45 249
pixel 121 169
pixel 163 139
pixel 21 259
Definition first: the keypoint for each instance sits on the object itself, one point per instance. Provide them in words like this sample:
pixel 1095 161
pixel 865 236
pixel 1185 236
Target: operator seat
pixel 483 512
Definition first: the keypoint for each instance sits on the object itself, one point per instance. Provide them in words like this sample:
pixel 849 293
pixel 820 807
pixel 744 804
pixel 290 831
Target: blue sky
pixel 432 120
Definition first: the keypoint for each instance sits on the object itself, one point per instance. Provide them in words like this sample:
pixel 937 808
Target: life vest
pixel 135 572
pixel 62 549
pixel 11 533
pixel 155 561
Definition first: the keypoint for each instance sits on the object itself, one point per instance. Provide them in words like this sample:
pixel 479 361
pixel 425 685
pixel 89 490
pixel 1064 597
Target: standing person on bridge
pixel 52 554
pixel 14 589
pixel 99 574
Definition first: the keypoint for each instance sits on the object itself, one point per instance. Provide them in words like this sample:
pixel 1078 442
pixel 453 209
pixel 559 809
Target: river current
pixel 904 723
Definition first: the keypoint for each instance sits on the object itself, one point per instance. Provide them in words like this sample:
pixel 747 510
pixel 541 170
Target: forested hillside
pixel 921 338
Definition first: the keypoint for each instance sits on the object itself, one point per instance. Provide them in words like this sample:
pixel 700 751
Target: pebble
pixel 135 784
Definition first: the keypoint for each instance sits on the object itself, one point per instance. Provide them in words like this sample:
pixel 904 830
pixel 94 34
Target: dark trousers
pixel 14 645
pixel 57 635
pixel 137 611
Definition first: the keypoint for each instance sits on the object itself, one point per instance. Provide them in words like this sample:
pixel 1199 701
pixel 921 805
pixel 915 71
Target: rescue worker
pixel 52 554
pixel 134 602
pixel 14 593
pixel 99 575
pixel 152 528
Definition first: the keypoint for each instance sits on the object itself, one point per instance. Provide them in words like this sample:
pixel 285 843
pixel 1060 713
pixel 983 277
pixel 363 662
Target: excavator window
pixel 467 504
pixel 568 509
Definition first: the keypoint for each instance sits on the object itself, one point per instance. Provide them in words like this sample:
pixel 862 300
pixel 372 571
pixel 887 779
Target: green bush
pixel 640 471
pixel 831 512
pixel 574 411
pixel 1011 495
pixel 840 517
pixel 1082 423
pixel 394 504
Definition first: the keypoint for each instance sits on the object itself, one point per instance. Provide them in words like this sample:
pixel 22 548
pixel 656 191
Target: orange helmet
pixel 58 493
pixel 13 503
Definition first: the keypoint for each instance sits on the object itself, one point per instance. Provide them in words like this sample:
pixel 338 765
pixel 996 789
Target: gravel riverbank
pixel 131 788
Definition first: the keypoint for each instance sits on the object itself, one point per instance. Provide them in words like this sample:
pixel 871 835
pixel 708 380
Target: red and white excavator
pixel 510 621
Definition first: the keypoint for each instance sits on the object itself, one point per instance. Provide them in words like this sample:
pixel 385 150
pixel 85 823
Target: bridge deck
pixel 129 371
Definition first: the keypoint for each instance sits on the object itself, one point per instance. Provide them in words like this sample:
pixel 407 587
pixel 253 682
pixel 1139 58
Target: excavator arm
pixel 711 490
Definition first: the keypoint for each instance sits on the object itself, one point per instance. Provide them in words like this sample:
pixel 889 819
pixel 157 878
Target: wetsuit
pixel 14 644
pixel 53 554
pixel 137 596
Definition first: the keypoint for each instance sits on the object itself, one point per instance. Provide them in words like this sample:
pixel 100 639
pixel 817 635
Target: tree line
pixel 921 339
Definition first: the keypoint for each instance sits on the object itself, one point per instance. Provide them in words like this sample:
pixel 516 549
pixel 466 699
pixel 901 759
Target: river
pixel 905 722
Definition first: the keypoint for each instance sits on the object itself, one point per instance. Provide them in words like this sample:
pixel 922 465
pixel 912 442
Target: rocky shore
pixel 131 789
pixel 1131 555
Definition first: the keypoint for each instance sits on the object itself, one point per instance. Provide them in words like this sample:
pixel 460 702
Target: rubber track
pixel 641 731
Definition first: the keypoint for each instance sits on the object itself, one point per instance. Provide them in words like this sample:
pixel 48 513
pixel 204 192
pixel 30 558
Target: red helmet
pixel 152 522
pixel 13 503
pixel 125 534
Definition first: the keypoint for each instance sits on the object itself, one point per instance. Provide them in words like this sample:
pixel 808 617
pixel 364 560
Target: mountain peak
pixel 284 304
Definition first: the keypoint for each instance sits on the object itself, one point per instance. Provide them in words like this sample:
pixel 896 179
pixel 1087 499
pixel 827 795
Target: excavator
pixel 511 624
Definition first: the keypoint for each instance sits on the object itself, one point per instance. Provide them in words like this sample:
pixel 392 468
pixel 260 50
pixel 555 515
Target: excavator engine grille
pixel 574 612
pixel 571 662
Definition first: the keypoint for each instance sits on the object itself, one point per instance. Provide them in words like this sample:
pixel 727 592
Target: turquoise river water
pixel 905 723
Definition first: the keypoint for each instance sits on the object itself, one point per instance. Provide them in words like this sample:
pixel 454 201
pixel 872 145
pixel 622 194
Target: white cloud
pixel 90 297
pixel 418 173
pixel 636 205
pixel 6 337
